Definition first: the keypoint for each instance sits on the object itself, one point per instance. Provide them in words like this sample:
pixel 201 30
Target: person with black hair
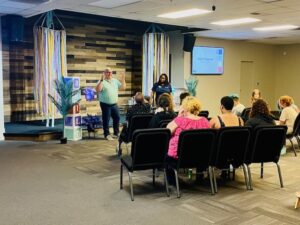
pixel 182 96
pixel 227 118
pixel 160 87
pixel 164 111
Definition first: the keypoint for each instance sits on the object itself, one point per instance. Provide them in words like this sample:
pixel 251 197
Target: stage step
pixel 38 137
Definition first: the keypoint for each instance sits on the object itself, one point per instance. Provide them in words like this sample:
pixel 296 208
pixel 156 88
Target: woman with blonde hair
pixel 256 94
pixel 187 119
pixel 288 114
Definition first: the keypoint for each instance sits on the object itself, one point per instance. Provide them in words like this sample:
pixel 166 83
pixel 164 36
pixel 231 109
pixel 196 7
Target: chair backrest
pixel 138 121
pixel 275 114
pixel 164 123
pixel 204 113
pixel 296 128
pixel 195 147
pixel 149 147
pixel 267 142
pixel 245 114
pixel 232 146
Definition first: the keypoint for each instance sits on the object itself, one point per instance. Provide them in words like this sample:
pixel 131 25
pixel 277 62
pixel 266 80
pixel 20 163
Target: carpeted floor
pixel 78 184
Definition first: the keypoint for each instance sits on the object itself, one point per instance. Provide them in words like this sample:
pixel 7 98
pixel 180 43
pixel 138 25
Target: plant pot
pixel 63 140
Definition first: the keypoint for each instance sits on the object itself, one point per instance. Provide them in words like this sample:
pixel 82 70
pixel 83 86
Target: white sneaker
pixel 109 138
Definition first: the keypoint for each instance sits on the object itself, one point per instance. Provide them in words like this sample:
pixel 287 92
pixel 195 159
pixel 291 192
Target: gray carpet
pixel 78 183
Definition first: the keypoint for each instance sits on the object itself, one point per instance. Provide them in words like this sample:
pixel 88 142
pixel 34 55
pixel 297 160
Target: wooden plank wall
pixel 91 47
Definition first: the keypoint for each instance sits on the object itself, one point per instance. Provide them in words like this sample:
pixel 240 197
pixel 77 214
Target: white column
pixel 1 90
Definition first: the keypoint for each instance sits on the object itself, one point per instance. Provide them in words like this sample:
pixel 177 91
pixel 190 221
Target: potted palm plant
pixel 191 84
pixel 65 100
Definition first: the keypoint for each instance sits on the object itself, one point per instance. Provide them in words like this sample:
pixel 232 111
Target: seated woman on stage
pixel 227 118
pixel 163 112
pixel 260 115
pixel 289 112
pixel 187 119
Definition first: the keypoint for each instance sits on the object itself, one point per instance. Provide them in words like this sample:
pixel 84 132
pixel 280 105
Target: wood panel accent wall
pixel 92 45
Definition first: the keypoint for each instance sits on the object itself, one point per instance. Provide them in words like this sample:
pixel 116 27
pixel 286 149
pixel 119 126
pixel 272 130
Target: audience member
pixel 255 95
pixel 288 114
pixel 238 107
pixel 139 108
pixel 163 112
pixel 227 118
pixel 260 115
pixel 187 119
pixel 182 96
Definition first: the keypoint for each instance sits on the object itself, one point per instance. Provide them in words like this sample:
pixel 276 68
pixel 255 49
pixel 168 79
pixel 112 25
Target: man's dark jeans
pixel 107 112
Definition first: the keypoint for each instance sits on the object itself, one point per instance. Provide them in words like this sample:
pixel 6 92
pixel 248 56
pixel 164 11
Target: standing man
pixel 107 88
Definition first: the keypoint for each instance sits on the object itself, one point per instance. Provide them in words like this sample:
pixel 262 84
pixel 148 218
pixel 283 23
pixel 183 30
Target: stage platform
pixel 37 130
pixel 33 131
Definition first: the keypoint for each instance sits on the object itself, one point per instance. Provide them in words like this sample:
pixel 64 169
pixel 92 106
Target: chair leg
pixel 297 204
pixel 280 176
pixel 215 180
pixel 262 170
pixel 131 186
pixel 121 176
pixel 233 174
pixel 246 176
pixel 127 148
pixel 153 177
pixel 177 183
pixel 250 178
pixel 211 180
pixel 298 140
pixel 166 182
pixel 293 146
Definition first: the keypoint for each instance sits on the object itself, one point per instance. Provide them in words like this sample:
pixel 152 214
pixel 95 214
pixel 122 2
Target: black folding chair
pixel 267 143
pixel 148 151
pixel 204 113
pixel 138 121
pixel 231 149
pixel 245 114
pixel 194 150
pixel 295 134
pixel 164 123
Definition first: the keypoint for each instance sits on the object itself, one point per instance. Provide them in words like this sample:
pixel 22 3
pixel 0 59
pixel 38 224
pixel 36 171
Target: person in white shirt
pixel 238 107
pixel 288 114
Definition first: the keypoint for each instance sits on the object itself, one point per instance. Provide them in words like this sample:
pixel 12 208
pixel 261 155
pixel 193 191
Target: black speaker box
pixel 16 27
pixel 189 41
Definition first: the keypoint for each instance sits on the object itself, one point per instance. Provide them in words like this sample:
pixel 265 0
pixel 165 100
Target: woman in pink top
pixel 187 119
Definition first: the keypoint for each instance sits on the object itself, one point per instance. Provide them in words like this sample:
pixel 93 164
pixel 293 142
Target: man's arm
pixel 99 85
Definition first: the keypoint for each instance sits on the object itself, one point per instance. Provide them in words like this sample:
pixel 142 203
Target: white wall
pixel 211 89
pixel 287 72
pixel 177 59
pixel 1 90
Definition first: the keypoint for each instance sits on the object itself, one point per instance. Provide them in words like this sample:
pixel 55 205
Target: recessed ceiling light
pixel 184 13
pixel 236 21
pixel 109 4
pixel 272 28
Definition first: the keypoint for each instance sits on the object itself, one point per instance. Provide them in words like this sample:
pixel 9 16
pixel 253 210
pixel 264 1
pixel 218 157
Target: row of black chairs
pixel 207 149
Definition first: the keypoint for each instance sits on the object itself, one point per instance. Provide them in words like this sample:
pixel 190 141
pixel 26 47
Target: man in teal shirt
pixel 108 89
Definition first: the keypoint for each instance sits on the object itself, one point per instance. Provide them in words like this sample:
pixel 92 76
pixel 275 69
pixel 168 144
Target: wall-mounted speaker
pixel 189 41
pixel 16 27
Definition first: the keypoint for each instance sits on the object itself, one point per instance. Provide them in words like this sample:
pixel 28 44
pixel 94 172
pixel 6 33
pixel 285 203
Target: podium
pixel 73 130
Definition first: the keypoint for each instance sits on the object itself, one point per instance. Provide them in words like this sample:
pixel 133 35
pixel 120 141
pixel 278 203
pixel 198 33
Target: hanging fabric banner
pixel 155 58
pixel 50 64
